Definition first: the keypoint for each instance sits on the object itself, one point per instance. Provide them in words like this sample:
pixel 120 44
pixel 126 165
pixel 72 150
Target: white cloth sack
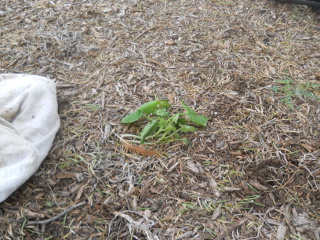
pixel 29 121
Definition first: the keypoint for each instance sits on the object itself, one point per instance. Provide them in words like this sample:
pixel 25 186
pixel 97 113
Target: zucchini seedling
pixel 163 126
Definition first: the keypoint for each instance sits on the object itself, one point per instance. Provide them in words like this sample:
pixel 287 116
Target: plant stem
pixel 130 135
pixel 170 136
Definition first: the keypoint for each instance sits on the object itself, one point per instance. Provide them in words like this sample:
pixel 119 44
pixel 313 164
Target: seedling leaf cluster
pixel 291 90
pixel 163 126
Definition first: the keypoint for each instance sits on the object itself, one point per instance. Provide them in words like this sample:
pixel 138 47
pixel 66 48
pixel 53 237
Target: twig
pixel 290 179
pixel 43 222
pixel 139 225
pixel 230 229
pixel 145 31
pixel 12 220
pixel 64 86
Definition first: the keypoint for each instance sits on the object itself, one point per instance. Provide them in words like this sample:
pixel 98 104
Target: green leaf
pixel 162 123
pixel 186 128
pixel 149 107
pixel 199 120
pixel 185 141
pixel 175 118
pixel 188 109
pixel 49 204
pixel 164 104
pixel 289 102
pixel 149 129
pixel 181 121
pixel 176 135
pixel 132 117
pixel 169 129
pixel 275 89
pixel 162 112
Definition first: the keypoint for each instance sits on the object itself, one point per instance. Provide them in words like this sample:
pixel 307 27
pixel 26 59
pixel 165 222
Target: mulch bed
pixel 251 67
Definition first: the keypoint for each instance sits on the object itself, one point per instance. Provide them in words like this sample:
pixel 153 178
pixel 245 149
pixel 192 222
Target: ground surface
pixel 251 67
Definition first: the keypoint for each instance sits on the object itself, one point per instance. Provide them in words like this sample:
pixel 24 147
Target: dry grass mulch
pixel 251 67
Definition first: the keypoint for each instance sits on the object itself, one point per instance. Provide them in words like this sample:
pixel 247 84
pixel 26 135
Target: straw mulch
pixel 251 67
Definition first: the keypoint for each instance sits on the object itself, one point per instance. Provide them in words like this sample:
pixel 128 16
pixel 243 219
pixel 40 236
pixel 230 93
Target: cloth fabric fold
pixel 29 121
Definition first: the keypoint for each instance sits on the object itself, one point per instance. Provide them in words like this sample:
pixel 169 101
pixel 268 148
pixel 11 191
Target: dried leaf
pixel 191 166
pixel 216 213
pixel 138 149
pixel 231 189
pixel 221 144
pixel 258 185
pixel 30 215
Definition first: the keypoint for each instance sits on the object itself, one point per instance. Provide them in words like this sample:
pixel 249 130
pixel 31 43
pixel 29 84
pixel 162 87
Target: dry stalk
pixel 138 225
pixel 44 222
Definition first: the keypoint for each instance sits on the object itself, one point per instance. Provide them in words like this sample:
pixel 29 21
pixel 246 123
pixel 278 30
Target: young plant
pixel 291 90
pixel 162 126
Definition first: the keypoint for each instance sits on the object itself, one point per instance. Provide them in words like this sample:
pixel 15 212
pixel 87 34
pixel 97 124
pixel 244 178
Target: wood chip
pixel 281 233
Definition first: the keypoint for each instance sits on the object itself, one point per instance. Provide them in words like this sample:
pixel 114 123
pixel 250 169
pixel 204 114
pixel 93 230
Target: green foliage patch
pixel 291 90
pixel 162 125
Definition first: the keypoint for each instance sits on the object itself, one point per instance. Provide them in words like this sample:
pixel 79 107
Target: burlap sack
pixel 28 123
